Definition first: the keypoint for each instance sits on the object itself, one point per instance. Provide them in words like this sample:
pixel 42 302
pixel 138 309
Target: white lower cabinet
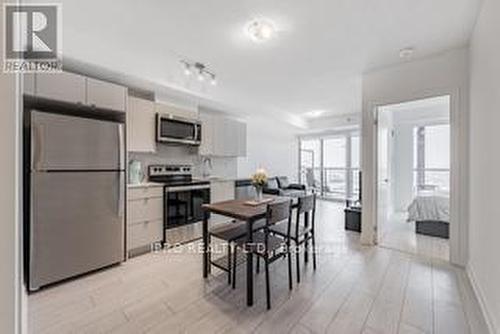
pixel 144 233
pixel 144 217
pixel 145 209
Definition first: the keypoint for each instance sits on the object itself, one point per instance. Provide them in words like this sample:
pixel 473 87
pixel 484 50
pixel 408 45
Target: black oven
pixel 183 204
pixel 177 130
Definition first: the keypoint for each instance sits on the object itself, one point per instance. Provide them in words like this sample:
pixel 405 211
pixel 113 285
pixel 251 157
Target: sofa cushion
pixel 283 182
pixel 272 183
pixel 292 192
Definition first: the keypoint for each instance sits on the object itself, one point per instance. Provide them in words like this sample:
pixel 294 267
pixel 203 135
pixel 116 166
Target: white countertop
pixel 215 179
pixel 145 185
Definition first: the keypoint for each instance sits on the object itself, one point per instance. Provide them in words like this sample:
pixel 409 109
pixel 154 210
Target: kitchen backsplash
pixel 185 155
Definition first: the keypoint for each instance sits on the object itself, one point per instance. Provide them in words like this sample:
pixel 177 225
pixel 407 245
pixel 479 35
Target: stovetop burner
pixel 173 175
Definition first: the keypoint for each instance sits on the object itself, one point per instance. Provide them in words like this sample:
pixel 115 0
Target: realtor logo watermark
pixel 32 40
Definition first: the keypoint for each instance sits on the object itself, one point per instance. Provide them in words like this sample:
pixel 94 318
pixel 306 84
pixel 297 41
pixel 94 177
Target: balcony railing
pixel 335 183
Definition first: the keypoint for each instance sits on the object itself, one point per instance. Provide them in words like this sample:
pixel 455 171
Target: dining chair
pixel 302 231
pixel 268 246
pixel 229 232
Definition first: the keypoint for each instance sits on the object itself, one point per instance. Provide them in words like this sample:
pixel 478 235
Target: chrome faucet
pixel 207 166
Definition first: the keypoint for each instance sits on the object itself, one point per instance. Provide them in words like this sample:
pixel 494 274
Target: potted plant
pixel 259 180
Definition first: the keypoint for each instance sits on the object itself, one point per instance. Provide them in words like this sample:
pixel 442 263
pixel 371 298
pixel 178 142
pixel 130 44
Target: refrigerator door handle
pixel 121 143
pixel 121 180
pixel 37 147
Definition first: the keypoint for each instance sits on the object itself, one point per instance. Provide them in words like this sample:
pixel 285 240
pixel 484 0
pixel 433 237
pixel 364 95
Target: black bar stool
pixel 269 246
pixel 301 233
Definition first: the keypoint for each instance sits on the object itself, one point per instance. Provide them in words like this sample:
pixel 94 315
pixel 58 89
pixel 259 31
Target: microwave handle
pixel 158 127
pixel 196 129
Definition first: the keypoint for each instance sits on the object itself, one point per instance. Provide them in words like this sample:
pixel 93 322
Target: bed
pixel 431 213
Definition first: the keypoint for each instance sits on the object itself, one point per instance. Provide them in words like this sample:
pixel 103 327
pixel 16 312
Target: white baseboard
pixel 490 321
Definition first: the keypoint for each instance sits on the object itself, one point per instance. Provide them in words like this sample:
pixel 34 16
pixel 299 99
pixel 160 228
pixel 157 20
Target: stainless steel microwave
pixel 177 130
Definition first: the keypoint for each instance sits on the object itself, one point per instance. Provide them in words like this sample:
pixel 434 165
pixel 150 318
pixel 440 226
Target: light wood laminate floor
pixel 354 290
pixel 397 233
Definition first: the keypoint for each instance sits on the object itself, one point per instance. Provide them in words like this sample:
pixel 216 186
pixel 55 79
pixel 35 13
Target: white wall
pixel 271 145
pixel 184 155
pixel 337 122
pixel 484 265
pixel 402 171
pixel 8 200
pixel 442 74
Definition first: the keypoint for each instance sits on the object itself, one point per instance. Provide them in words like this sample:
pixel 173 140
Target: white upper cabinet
pixel 222 136
pixel 141 125
pixel 106 95
pixel 29 83
pixel 225 143
pixel 75 88
pixel 207 135
pixel 242 139
pixel 65 86
pixel 176 111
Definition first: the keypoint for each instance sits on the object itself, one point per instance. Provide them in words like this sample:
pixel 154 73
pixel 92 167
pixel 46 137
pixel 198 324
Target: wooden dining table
pixel 237 209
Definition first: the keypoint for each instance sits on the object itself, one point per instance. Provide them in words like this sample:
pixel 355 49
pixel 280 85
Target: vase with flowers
pixel 259 180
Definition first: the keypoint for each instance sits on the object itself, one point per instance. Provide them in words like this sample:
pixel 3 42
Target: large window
pixel 331 165
pixel 432 157
pixel 355 167
pixel 310 163
pixel 335 167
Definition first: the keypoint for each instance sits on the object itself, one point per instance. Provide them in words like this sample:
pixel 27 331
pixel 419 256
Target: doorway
pixel 413 176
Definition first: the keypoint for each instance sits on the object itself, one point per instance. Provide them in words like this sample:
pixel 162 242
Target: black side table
pixel 353 218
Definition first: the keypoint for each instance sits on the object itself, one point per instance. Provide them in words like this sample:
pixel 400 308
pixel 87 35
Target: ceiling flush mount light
pixel 406 52
pixel 260 30
pixel 201 71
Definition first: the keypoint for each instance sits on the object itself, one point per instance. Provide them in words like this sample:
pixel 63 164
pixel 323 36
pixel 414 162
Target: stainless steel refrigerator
pixel 76 205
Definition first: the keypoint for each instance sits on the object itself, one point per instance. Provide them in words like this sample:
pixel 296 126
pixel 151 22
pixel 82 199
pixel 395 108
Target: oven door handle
pixel 187 188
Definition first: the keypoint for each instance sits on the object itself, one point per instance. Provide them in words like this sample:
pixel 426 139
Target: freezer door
pixel 76 225
pixel 60 142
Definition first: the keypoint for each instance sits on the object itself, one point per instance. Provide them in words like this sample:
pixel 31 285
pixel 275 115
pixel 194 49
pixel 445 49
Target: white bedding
pixel 430 207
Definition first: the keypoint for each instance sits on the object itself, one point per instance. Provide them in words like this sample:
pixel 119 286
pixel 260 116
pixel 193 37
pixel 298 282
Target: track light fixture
pixel 200 70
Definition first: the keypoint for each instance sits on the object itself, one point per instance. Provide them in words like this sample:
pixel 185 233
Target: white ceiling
pixel 315 62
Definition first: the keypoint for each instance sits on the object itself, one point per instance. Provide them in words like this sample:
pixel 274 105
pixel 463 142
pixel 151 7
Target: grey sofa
pixel 280 185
